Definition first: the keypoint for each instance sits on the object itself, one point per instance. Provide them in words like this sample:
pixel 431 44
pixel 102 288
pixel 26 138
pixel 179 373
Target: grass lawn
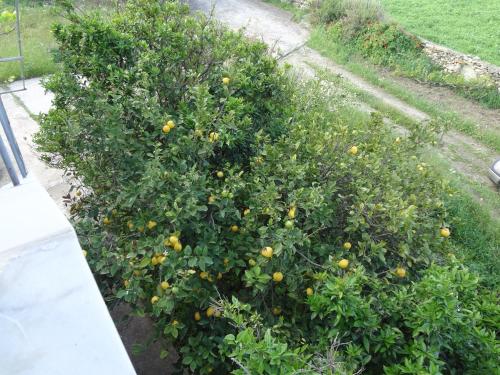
pixel 470 26
pixel 37 44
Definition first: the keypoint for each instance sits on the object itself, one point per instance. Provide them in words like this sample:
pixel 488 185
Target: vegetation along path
pixel 276 28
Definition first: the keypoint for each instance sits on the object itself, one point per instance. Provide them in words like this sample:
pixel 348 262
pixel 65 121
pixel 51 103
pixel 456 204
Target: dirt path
pixel 275 27
pixel 469 110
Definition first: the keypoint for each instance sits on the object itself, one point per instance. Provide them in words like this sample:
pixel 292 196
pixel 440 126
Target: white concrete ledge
pixel 53 319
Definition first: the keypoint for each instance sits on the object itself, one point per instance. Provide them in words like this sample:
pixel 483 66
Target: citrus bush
pixel 204 173
pixel 429 326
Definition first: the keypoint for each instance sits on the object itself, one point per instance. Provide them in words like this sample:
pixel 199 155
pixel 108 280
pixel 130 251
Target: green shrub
pixel 389 40
pixel 429 326
pixel 205 172
pixel 354 15
pixel 7 19
pixel 329 11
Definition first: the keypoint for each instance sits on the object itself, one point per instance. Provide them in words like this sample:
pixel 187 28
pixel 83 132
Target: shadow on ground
pixel 134 331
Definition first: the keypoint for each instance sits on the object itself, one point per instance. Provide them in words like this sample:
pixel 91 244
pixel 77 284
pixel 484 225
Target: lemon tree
pixel 227 201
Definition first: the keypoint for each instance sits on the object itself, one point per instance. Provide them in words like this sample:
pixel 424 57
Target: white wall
pixel 53 320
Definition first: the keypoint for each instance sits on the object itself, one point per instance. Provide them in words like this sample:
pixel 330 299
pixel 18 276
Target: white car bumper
pixel 494 172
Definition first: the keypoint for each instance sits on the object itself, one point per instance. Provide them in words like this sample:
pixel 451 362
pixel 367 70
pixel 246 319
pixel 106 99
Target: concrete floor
pixel 21 108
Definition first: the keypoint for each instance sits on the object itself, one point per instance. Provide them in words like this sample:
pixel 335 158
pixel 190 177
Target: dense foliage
pixel 263 232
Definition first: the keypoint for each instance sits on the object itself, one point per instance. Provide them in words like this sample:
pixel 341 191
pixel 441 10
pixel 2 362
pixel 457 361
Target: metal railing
pixel 14 147
pixel 4 119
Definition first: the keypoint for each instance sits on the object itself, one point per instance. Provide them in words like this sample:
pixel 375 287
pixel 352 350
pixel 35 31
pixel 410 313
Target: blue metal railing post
pixel 8 163
pixel 11 139
pixel 4 119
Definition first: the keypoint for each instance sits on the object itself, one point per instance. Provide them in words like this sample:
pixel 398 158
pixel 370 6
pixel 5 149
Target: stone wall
pixel 471 67
pixel 300 3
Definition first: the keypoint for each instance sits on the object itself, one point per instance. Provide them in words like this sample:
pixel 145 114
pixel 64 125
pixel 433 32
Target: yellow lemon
pixel 226 81
pixel 277 277
pixel 219 276
pixel 130 225
pixel 162 258
pixel 165 129
pixel 152 224
pixel 154 299
pixel 289 224
pixel 276 310
pixel 343 263
pixel 347 245
pixel 401 272
pixel 178 247
pixel 106 220
pixel 291 213
pixel 445 232
pixel 165 285
pixel 226 261
pixel 197 316
pixel 211 199
pixel 220 174
pixel 213 137
pixel 204 275
pixel 246 211
pixel 267 252
pixel 353 150
pixel 175 322
pixel 234 228
pixel 170 124
pixel 154 261
pixel 309 291
pixel 167 243
pixel 173 239
pixel 84 252
pixel 210 311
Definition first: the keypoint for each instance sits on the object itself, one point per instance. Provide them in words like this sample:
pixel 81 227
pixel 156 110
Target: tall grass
pixel 38 44
pixel 477 237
